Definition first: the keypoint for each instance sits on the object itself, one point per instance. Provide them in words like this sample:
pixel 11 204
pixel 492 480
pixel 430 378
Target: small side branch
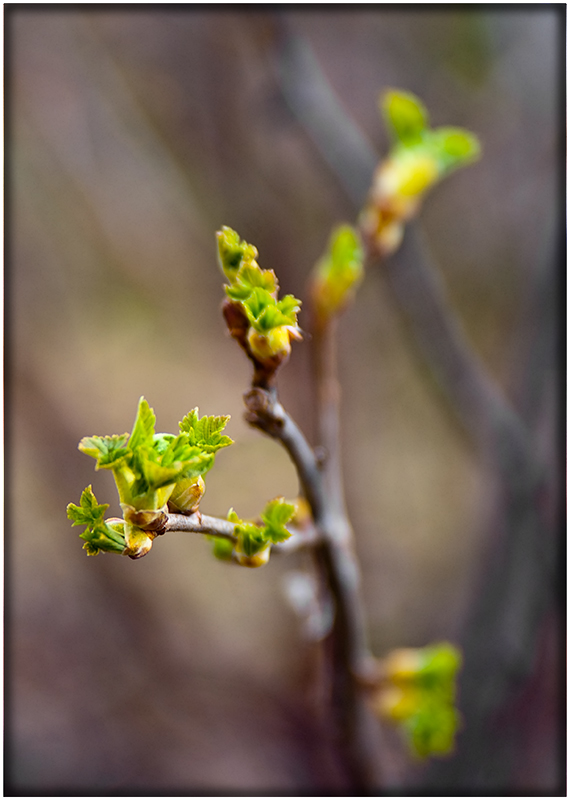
pixel 200 523
pixel 223 528
pixel 264 411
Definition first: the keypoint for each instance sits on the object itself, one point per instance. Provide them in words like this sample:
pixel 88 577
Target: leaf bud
pixel 233 252
pixel 337 274
pixel 272 343
pixel 186 495
pixel 419 157
pixel 146 519
pixel 416 690
pixel 138 541
pixel 258 559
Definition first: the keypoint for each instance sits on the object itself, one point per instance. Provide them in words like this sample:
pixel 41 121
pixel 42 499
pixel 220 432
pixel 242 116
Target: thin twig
pixel 200 523
pixel 300 537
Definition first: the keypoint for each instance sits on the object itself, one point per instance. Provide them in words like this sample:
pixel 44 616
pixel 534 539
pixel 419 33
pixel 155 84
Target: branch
pixel 266 413
pixel 308 93
pixel 357 732
pixel 216 526
pixel 200 523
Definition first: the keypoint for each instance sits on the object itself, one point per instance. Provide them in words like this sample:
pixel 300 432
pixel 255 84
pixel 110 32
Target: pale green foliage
pixel 271 323
pixel 107 450
pixel 405 115
pixel 432 727
pixel 408 122
pixel 149 467
pixel 99 535
pixel 253 538
pixel 233 252
pixel 338 273
pixel 205 432
pixel 419 695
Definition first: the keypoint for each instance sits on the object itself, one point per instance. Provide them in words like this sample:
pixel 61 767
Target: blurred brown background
pixel 133 134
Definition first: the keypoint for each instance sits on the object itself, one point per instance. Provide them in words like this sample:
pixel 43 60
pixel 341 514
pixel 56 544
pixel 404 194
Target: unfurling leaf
pixel 253 545
pixel 338 274
pixel 419 158
pixel 263 325
pixel 233 252
pixel 275 517
pixel 88 512
pixel 144 427
pixel 418 693
pixel 149 468
pixel 222 548
pixel 205 432
pixel 107 450
pixel 405 115
pixel 99 535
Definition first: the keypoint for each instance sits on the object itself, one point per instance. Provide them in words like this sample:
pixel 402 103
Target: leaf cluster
pixel 338 273
pixel 269 323
pixel 148 469
pixel 408 121
pixel 99 534
pixel 421 694
pixel 147 465
pixel 254 540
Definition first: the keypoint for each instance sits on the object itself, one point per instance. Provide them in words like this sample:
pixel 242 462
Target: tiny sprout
pixel 419 158
pixel 337 275
pixel 261 323
pixel 152 472
pixel 417 691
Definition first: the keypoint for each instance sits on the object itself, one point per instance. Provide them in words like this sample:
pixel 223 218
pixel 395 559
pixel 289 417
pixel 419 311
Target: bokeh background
pixel 133 134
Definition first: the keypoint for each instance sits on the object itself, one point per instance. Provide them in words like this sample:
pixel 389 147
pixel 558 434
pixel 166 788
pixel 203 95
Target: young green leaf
pixel 251 537
pixel 99 535
pixel 439 667
pixel 271 317
pixel 233 252
pixel 454 147
pixel 106 537
pixel 338 274
pixel 144 427
pixel 290 306
pixel 153 475
pixel 258 301
pixel 432 728
pixel 275 517
pixel 205 432
pixel 405 115
pixel 88 512
pixel 107 450
pixel 250 277
pixel 222 548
